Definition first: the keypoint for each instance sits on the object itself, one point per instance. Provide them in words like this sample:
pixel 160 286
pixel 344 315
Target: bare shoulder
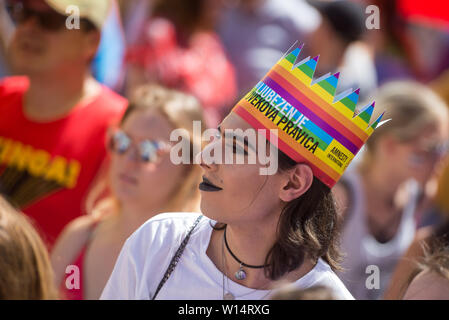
pixel 70 242
pixel 76 232
pixel 428 285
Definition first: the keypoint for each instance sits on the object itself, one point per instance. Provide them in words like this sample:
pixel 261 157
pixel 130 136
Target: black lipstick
pixel 208 186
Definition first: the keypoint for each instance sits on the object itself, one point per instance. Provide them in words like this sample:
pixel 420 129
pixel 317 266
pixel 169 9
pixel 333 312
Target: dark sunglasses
pixel 49 20
pixel 149 150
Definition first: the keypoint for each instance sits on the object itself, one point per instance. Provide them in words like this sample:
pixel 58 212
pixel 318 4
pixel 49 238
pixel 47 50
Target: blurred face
pixel 237 193
pixel 323 41
pixel 137 177
pixel 41 41
pixel 419 158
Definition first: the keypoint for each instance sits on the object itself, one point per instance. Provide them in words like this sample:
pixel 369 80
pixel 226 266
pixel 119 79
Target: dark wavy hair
pixel 308 226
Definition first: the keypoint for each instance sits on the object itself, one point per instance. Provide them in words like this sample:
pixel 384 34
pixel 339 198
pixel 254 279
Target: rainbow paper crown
pixel 313 125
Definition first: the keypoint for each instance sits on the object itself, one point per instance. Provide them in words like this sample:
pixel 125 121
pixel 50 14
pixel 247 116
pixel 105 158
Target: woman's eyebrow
pixel 245 141
pixel 235 136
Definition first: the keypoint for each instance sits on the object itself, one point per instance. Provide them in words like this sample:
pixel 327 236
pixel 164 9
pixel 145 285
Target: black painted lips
pixel 206 185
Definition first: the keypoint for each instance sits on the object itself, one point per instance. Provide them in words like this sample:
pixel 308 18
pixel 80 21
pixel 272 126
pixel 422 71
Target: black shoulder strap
pixel 176 257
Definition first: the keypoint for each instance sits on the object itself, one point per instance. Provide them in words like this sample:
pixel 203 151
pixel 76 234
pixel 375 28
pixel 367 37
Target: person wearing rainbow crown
pixel 259 232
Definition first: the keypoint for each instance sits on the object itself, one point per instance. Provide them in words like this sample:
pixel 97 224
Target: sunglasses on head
pixel 49 20
pixel 149 150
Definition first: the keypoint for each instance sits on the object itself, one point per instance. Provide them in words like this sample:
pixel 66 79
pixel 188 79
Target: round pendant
pixel 228 296
pixel 240 275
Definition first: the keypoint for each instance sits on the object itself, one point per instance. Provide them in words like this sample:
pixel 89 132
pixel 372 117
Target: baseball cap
pixel 96 11
pixel 346 17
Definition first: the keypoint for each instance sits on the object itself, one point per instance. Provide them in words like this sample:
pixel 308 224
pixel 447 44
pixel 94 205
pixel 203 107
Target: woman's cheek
pixel 113 173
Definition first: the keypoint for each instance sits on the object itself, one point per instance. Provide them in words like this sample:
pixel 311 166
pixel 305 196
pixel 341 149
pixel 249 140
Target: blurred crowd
pixel 86 117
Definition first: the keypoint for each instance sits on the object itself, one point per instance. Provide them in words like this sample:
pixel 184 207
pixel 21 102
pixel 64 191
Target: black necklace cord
pixel 237 259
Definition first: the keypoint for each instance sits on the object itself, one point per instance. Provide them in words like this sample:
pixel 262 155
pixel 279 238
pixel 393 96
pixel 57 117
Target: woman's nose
pixel 206 158
pixel 132 154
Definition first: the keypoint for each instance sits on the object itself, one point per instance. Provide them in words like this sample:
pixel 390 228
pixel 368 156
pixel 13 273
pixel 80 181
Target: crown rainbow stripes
pixel 313 124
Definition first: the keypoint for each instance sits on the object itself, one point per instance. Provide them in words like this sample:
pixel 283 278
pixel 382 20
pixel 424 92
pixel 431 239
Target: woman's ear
pixel 92 43
pixel 298 181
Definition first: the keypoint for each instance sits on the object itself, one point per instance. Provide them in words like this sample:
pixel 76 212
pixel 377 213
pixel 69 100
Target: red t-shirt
pixel 46 169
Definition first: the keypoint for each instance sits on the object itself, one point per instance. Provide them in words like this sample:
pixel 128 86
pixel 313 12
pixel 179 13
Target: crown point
pixel 337 75
pixel 296 51
pixel 377 123
pixel 316 58
pixel 357 91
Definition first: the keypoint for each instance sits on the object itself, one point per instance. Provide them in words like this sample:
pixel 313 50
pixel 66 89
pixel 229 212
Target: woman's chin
pixel 209 211
pixel 124 196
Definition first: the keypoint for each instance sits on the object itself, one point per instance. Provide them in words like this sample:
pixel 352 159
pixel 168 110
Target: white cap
pixel 96 11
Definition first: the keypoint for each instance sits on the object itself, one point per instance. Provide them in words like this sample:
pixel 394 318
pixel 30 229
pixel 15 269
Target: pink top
pixel 76 293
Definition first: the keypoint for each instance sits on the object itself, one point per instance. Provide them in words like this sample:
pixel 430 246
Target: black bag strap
pixel 174 261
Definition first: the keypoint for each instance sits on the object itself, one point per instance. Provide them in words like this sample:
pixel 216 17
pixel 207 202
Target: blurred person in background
pixel 312 293
pixel 25 269
pixel 432 279
pixel 440 212
pixel 55 115
pixel 379 199
pixel 179 49
pixel 433 223
pixel 427 241
pixel 134 13
pixel 339 42
pixel 256 33
pixel 143 182
pixel 412 41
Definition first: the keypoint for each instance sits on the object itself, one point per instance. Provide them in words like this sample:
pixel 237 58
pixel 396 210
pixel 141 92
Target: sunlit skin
pixel 250 204
pixel 34 50
pixel 413 158
pixel 142 191
pixel 132 179
pixel 395 162
pixel 56 63
pixel 428 285
pixel 239 207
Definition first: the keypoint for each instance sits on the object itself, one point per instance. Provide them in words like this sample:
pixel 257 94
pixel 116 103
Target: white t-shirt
pixel 147 253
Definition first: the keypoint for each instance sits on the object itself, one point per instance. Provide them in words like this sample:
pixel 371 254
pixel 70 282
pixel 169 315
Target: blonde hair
pixel 25 269
pixel 410 106
pixel 181 110
pixel 437 261
pixel 318 292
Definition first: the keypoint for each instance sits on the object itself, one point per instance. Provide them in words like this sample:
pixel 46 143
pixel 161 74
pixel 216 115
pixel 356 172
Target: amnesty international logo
pixel 28 174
